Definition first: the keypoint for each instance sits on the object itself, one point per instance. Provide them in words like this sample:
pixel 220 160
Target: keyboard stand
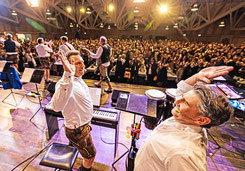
pixel 52 124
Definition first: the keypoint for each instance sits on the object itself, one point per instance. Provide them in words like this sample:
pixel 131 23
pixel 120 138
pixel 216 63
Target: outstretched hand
pixel 207 74
pixel 68 67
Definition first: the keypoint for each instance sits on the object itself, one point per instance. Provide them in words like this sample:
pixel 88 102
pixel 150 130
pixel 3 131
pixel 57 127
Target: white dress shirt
pixel 73 99
pixel 173 146
pixel 98 55
pixel 43 51
pixel 66 47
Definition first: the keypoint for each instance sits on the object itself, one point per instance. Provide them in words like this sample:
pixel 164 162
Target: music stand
pixel 137 105
pixel 7 71
pixel 32 75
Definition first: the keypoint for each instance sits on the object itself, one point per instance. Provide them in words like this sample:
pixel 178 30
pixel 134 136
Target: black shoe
pixel 108 90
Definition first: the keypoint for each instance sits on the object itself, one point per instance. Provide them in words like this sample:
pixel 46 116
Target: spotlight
pixel 167 28
pixel 33 3
pixel 109 27
pixel 163 9
pixel 199 35
pixel 184 35
pixel 84 33
pixel 101 25
pixel 139 1
pixel 111 7
pixel 66 33
pixel 71 25
pixel 69 9
pixel 82 10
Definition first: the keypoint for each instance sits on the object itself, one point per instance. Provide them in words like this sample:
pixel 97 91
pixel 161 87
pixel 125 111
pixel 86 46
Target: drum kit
pixel 168 97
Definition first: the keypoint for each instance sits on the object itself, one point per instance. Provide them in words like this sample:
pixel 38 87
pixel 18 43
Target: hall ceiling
pixel 123 16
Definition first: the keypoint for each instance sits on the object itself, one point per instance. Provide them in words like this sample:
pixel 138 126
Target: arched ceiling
pixel 123 16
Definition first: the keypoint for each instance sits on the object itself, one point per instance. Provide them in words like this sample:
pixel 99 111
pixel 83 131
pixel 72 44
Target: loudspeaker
pixel 51 87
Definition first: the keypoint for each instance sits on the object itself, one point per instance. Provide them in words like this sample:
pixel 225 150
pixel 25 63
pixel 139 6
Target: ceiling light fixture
pixel 88 11
pixel 194 7
pixel 14 13
pixel 69 9
pixel 222 24
pixel 33 3
pixel 175 25
pixel 138 1
pixel 167 28
pixel 48 12
pixel 136 10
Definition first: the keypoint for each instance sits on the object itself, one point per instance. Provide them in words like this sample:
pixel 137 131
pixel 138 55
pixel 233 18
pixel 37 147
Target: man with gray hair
pixel 103 61
pixel 179 143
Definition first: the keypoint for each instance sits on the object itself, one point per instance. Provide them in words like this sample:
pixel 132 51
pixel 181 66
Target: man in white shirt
pixel 43 52
pixel 102 57
pixel 65 47
pixel 72 97
pixel 179 143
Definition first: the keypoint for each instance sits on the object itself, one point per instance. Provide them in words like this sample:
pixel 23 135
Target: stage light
pixel 14 13
pixel 136 28
pixel 136 10
pixel 84 33
pixel 199 35
pixel 69 9
pixel 66 33
pixel 163 9
pixel 222 24
pixel 139 1
pixel 82 10
pixel 167 28
pixel 71 25
pixel 33 3
pixel 109 27
pixel 184 35
pixel 101 25
pixel 194 7
pixel 48 12
pixel 88 11
pixel 111 7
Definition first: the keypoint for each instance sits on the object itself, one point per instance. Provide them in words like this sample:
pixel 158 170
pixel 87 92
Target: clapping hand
pixel 68 67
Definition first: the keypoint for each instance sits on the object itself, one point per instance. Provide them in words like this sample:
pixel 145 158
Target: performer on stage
pixel 72 97
pixel 65 45
pixel 179 143
pixel 10 48
pixel 103 61
pixel 43 52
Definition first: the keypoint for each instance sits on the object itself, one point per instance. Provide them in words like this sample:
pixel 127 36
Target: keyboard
pixel 97 114
pixel 105 115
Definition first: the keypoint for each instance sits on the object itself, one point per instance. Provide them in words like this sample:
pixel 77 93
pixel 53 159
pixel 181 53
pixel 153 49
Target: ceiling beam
pixel 242 4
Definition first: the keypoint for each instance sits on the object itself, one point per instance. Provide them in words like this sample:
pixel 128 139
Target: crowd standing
pixel 130 57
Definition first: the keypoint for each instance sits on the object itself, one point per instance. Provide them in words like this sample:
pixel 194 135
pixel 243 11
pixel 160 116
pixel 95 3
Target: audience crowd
pixel 151 59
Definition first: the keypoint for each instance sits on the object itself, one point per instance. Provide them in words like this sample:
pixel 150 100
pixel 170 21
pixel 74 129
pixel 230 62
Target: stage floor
pixel 21 138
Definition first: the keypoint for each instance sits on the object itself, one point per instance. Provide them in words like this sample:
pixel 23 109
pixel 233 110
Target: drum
pixel 171 95
pixel 151 123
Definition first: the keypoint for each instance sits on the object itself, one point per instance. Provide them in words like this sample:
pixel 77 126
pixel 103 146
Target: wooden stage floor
pixel 21 138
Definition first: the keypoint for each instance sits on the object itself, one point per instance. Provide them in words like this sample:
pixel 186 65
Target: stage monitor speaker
pixel 115 95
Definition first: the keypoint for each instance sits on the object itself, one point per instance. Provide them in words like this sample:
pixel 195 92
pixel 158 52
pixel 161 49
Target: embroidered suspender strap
pixel 68 47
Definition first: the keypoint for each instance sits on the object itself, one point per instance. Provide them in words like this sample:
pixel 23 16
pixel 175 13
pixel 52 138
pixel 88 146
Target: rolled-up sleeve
pixel 97 54
pixel 182 87
pixel 63 91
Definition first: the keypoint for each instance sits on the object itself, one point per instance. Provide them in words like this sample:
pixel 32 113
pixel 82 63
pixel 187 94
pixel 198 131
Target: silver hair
pixel 213 105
